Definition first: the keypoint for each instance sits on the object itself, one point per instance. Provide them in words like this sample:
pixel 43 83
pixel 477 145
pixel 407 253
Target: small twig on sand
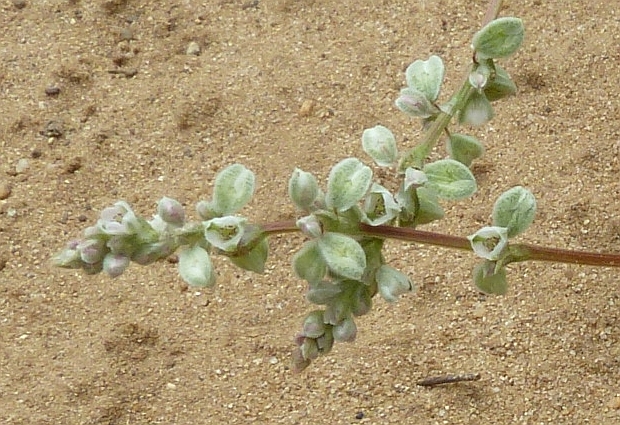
pixel 447 379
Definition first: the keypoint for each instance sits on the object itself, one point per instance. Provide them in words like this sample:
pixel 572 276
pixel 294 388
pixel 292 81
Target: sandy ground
pixel 100 101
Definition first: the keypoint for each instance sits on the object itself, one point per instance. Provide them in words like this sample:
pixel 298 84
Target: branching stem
pixel 517 252
pixel 441 122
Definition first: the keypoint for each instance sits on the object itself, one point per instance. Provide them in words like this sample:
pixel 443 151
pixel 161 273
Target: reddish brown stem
pixel 492 11
pixel 517 252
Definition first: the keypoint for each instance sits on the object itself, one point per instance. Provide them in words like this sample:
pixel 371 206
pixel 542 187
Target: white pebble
pixel 22 165
pixel 193 49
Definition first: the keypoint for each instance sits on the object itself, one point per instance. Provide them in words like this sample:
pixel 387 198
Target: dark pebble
pixel 20 4
pixel 52 91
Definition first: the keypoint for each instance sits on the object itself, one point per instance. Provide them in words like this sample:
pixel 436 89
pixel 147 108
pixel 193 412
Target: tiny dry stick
pixel 448 379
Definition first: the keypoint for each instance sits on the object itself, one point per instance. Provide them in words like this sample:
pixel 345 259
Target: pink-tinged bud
pixel 92 250
pixel 299 339
pixel 171 211
pixel 115 264
pixel 313 325
pixel 309 349
pixel 326 341
pixel 415 104
pixel 345 331
pixel 310 226
pixel 299 362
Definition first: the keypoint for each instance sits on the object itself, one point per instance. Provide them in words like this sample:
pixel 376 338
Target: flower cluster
pixel 119 237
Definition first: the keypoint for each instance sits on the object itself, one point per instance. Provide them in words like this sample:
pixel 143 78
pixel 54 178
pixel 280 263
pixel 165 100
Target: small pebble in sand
pixel 5 190
pixel 193 49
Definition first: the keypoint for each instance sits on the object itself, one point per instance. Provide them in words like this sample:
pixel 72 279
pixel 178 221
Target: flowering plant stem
pixel 439 125
pixel 517 252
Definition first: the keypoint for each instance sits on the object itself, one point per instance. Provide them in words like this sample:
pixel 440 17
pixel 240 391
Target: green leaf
pixel 414 158
pixel 343 255
pixel 426 76
pixel 361 300
pixel 464 148
pixel 324 292
pixel 309 264
pixel 303 189
pixel 500 86
pixel 429 209
pixel 195 266
pixel 348 182
pixel 515 209
pixel 450 179
pixel 392 283
pixel 254 260
pixel 234 187
pixel 489 280
pixel 499 38
pixel 477 110
pixel 373 248
pixel 380 144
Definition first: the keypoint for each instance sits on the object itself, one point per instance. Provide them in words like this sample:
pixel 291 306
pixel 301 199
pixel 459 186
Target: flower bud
pixel 313 324
pixel 345 331
pixel 309 349
pixel 171 211
pixel 92 250
pixel 117 220
pixel 310 226
pixel 303 189
pixel 415 104
pixel 479 77
pixel 115 264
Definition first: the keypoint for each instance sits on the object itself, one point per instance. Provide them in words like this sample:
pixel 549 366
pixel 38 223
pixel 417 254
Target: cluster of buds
pixel 119 237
